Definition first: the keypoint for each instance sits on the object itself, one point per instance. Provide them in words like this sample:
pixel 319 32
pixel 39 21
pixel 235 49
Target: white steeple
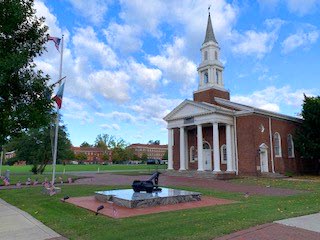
pixel 210 69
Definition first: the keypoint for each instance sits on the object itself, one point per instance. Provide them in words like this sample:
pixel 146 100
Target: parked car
pixel 153 161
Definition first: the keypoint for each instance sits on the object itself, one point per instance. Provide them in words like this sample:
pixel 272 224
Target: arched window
pixel 277 145
pixel 205 77
pixel 216 55
pixel 205 55
pixel 192 154
pixel 290 146
pixel 217 76
pixel 223 151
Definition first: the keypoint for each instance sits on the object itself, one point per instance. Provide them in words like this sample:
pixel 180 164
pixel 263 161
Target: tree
pixel 165 155
pixel 85 144
pixel 35 147
pixel 104 141
pixel 81 156
pixel 144 157
pixel 24 95
pixel 307 137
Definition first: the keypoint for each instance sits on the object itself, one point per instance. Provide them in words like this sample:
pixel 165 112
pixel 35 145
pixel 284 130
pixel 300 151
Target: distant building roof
pixel 147 145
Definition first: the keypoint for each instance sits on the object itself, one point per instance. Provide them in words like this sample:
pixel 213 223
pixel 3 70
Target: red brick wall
pixel 285 164
pixel 176 148
pixel 192 141
pixel 208 95
pixel 250 137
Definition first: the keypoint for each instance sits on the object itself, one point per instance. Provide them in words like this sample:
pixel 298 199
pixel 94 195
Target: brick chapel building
pixel 234 138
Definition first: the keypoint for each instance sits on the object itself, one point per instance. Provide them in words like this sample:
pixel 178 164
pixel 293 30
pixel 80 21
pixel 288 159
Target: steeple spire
pixel 209 33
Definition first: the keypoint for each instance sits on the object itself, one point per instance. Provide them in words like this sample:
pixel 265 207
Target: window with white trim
pixel 277 145
pixel 290 146
pixel 205 55
pixel 223 151
pixel 193 154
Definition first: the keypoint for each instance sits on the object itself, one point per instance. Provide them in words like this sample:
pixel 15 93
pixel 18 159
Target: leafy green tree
pixel 165 155
pixel 85 144
pixel 118 155
pixel 81 156
pixel 106 141
pixel 144 157
pixel 35 147
pixel 135 157
pixel 24 95
pixel 307 137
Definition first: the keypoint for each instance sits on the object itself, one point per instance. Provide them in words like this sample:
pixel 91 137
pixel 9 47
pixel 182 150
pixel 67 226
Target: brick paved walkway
pixel 272 231
pixel 113 179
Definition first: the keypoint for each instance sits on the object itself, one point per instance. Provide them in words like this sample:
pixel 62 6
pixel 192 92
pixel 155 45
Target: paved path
pixel 298 228
pixel 113 179
pixel 19 225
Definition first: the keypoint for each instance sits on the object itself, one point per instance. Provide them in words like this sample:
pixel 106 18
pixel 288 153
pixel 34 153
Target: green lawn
pixel 91 167
pixel 200 223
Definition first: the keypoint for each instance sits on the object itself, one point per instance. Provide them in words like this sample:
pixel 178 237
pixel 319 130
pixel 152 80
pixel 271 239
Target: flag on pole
pixel 58 98
pixel 55 40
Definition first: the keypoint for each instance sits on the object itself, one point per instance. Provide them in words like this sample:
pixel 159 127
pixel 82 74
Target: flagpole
pixel 57 122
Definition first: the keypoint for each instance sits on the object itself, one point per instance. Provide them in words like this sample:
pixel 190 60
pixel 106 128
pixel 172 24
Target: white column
pixel 200 147
pixel 229 150
pixel 182 150
pixel 170 155
pixel 216 152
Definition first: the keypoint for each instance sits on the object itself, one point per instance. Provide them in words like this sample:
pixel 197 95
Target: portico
pixel 204 134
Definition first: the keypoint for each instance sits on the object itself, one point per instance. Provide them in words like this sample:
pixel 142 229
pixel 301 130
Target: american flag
pixel 55 40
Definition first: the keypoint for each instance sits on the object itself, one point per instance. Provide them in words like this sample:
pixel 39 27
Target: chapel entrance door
pixel 207 156
pixel 263 149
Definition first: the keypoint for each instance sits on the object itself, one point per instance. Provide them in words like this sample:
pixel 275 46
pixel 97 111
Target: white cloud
pixel 123 37
pixel 299 39
pixel 75 110
pixel 302 7
pixel 111 85
pixel 174 65
pixel 146 77
pixel 94 10
pixel 154 108
pixel 256 43
pixel 87 45
pixel 113 126
pixel 119 116
pixel 272 98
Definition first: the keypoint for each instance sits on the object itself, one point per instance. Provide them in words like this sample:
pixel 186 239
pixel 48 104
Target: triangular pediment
pixel 189 109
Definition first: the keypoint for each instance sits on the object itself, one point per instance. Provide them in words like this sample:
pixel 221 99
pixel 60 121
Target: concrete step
pixel 202 175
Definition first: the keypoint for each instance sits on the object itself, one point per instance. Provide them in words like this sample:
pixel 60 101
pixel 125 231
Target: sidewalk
pixel 19 225
pixel 299 228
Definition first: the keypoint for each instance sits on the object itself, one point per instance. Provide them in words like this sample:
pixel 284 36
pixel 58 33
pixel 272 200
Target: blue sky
pixel 129 63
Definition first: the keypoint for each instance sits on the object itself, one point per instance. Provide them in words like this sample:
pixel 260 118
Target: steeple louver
pixel 209 33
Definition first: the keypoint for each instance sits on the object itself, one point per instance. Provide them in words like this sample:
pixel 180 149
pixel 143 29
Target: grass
pixel 83 168
pixel 280 183
pixel 199 223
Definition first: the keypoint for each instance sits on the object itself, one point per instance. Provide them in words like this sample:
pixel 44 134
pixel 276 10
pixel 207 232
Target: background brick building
pixel 153 151
pixel 94 155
